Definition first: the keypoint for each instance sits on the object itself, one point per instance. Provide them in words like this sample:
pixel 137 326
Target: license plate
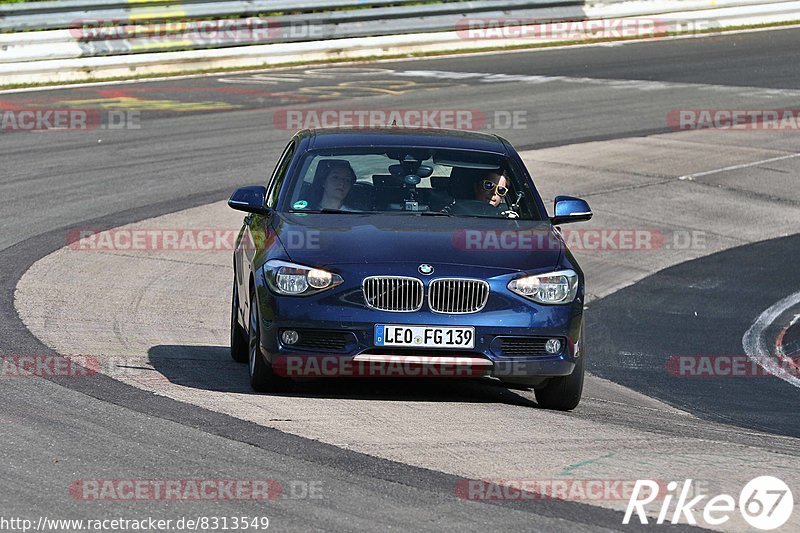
pixel 424 336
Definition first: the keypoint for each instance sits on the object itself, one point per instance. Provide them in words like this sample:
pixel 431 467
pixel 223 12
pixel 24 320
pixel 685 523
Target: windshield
pixel 422 181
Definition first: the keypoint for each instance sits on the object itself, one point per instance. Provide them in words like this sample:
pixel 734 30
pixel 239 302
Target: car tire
pixel 563 393
pixel 239 339
pixel 262 378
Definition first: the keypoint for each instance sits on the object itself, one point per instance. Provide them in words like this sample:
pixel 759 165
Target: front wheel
pixel 262 378
pixel 563 393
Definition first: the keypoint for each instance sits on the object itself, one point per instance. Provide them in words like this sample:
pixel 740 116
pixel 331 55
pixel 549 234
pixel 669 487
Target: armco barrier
pixel 98 39
pixel 406 13
pixel 117 31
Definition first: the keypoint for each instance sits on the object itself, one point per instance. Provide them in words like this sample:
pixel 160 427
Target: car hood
pixel 328 239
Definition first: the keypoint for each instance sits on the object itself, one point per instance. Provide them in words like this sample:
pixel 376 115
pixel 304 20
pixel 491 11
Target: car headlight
pixel 559 287
pixel 289 279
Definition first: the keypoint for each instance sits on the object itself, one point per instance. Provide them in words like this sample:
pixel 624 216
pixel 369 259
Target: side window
pixel 529 208
pixel 276 182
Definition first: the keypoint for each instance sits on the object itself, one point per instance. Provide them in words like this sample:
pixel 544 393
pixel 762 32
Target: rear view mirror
pixel 250 199
pixel 570 209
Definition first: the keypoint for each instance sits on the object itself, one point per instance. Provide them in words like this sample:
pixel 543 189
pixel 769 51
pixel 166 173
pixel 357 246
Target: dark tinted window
pixel 411 180
pixel 278 176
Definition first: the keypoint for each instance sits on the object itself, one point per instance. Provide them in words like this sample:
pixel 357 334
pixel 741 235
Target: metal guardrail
pixel 84 39
pixel 69 13
pixel 96 28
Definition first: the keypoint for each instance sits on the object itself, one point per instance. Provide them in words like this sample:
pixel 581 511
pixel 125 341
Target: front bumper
pixel 342 312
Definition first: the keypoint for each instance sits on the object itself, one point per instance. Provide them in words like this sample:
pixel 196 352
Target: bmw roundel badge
pixel 425 270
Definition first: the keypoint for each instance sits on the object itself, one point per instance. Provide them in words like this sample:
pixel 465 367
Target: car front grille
pixel 393 293
pixel 457 296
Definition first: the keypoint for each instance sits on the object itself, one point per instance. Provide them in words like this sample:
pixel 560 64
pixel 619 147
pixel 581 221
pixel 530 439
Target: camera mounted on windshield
pixel 411 171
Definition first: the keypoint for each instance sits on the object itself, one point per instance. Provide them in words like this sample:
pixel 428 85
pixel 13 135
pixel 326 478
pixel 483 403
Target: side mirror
pixel 250 200
pixel 570 209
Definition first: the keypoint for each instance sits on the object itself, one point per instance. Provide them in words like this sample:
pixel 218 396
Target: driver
pixel 484 196
pixel 491 188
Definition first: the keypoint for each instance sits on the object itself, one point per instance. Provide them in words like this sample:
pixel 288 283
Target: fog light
pixel 552 346
pixel 290 336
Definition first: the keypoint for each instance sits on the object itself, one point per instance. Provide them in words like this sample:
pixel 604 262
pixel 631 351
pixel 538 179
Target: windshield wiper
pixel 339 211
pixel 329 210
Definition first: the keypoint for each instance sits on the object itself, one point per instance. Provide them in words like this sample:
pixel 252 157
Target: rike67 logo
pixel 765 503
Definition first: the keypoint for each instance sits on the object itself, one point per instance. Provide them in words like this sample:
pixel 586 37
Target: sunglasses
pixel 489 185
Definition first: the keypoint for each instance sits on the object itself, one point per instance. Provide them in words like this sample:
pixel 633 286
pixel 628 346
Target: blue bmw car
pixel 399 252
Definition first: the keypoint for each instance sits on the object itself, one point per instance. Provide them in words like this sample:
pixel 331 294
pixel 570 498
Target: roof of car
pixel 399 136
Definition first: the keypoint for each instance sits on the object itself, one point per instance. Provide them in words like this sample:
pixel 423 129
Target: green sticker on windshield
pixel 301 204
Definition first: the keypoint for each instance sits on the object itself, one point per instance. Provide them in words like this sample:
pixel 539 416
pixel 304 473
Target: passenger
pixel 335 180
